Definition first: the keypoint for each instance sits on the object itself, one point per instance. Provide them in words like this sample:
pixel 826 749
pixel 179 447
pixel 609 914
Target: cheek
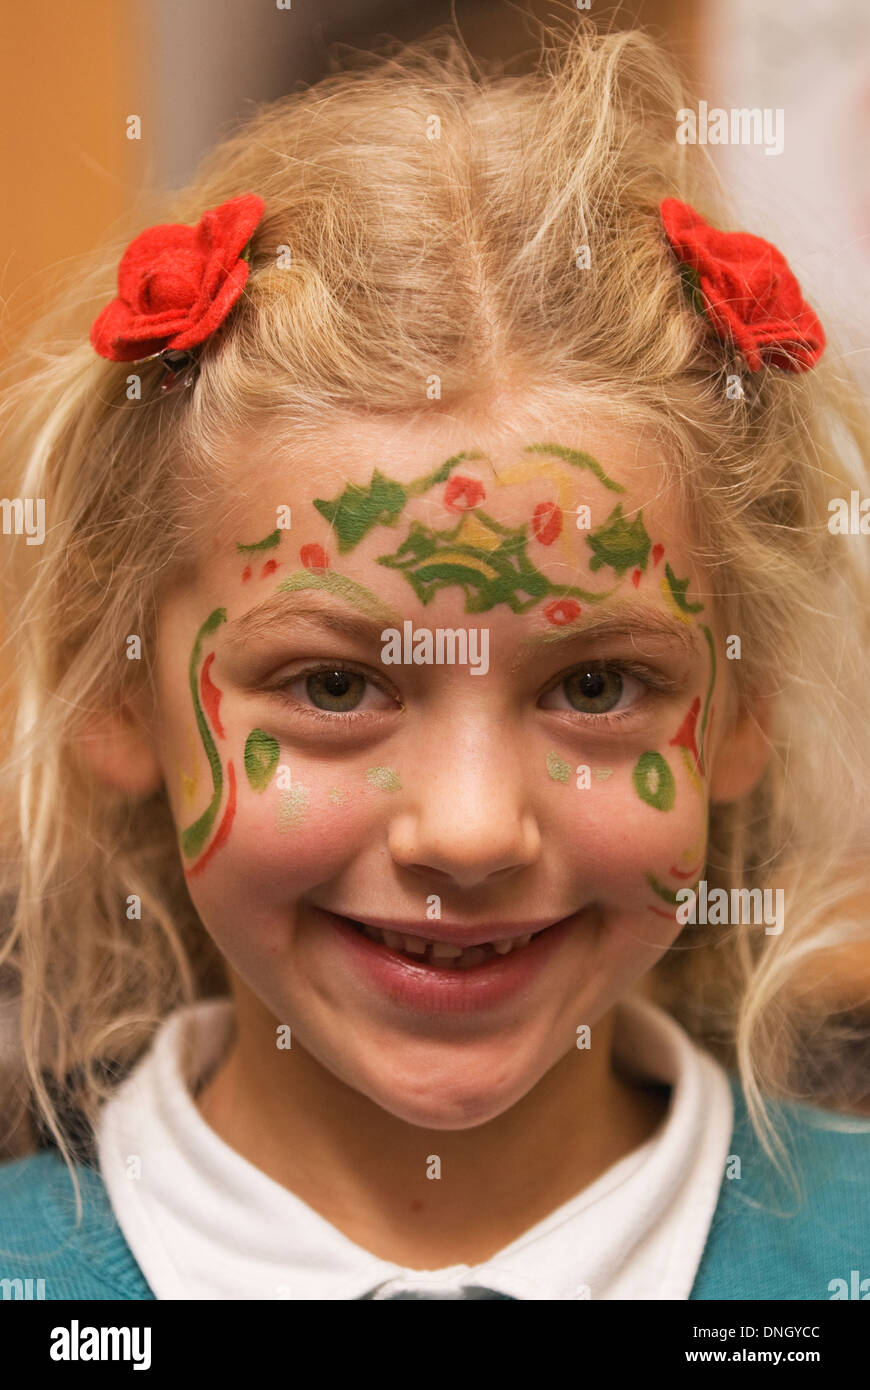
pixel 295 832
pixel 639 835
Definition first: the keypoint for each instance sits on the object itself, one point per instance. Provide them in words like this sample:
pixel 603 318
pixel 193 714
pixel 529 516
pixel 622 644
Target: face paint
pixel 547 522
pixel 268 543
pixel 619 543
pixel 579 460
pixel 193 839
pixel 211 696
pixel 337 796
pixel 709 636
pixel 292 807
pixel 262 752
pixel 654 781
pixel 557 768
pixel 684 738
pixel 189 783
pixel 674 591
pixel 356 594
pixel 488 561
pixel 358 509
pixel 601 774
pixel 222 833
pixel 385 779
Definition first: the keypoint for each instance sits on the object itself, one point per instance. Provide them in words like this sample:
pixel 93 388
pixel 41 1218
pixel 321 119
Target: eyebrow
pixel 365 623
pixel 621 620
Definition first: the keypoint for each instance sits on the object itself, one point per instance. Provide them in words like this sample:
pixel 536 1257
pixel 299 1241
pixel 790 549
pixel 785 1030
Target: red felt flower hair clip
pixel 745 289
pixel 176 285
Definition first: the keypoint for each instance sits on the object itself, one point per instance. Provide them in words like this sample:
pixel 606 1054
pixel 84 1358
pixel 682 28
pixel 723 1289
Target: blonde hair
pixel 412 255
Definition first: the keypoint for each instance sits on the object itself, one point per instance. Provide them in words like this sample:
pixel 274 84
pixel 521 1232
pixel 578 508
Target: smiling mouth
pixel 445 955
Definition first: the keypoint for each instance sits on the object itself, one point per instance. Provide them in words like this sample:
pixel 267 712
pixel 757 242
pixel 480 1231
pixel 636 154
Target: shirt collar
pixel 203 1222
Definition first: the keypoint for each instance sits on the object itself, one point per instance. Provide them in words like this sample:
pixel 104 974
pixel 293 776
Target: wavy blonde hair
pixel 411 256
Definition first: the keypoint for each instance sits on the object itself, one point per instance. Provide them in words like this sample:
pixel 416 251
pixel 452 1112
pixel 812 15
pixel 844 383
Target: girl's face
pixel 458 687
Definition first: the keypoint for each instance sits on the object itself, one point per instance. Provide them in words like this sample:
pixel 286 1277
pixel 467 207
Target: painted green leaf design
pixel 579 459
pixel 262 752
pixel 268 543
pixel 357 509
pixel 488 561
pixel 621 544
pixel 678 588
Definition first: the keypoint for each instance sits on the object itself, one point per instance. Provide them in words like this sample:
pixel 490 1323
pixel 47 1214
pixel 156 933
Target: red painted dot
pixel 269 568
pixel 314 557
pixel 562 610
pixel 635 577
pixel 246 572
pixel 657 553
pixel 547 522
pixel 461 494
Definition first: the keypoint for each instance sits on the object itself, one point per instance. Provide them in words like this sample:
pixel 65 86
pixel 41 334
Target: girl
pixel 438 784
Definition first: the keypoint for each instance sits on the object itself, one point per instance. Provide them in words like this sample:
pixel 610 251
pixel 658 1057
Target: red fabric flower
pixel 176 283
pixel 750 294
pixel 461 494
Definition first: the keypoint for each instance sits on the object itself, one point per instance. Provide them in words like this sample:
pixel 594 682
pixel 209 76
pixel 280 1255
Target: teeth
pixel 445 952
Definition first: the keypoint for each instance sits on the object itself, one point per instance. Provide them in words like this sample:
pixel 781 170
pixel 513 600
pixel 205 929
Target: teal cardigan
pixel 765 1241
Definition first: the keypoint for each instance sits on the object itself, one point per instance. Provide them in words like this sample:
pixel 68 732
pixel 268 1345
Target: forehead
pixel 353 465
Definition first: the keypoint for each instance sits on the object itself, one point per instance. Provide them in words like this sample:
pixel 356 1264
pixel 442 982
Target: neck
pixel 367 1172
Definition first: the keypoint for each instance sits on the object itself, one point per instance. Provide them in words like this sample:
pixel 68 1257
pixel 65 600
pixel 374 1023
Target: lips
pixel 437 951
pixel 436 985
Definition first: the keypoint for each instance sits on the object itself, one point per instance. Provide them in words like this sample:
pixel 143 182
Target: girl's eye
pixel 336 690
pixel 595 688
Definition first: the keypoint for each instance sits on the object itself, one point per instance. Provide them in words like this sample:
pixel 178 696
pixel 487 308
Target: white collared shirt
pixel 204 1223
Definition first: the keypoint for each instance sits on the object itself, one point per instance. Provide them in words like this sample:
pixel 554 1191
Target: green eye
pixel 337 691
pixel 594 689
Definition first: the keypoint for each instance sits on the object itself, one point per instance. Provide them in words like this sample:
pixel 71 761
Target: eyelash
pixel 322 715
pixel 653 681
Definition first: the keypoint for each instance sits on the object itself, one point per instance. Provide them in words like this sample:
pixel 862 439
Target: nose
pixel 467 817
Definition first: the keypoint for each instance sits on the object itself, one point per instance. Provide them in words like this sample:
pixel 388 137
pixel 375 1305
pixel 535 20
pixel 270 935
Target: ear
pixel 743 752
pixel 119 750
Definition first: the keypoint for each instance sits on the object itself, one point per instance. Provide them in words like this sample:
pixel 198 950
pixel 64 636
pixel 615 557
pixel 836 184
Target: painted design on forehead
pixel 262 752
pixel 385 779
pixel 292 807
pixel 488 561
pixel 337 796
pixel 353 593
pixel 358 509
pixel 258 548
pixel 194 838
pixel 557 768
pixel 314 557
pixel 654 781
pixel 674 591
pixel 621 544
pixel 578 459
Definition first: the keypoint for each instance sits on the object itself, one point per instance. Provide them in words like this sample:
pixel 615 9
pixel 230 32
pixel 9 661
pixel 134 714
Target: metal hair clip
pixel 181 367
